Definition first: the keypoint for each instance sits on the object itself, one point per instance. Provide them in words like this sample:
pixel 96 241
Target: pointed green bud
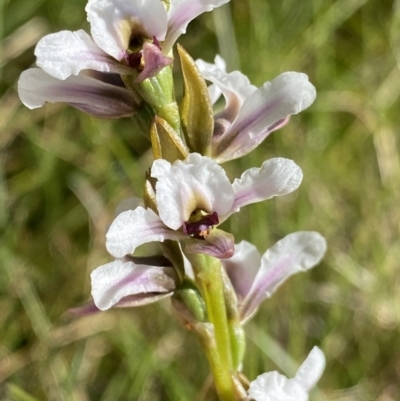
pixel 189 304
pixel 196 108
pixel 166 142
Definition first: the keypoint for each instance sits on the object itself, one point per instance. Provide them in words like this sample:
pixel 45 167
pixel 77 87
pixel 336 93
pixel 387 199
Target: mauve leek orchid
pixel 131 281
pixel 251 113
pixel 128 37
pixel 255 277
pixel 193 196
pixel 273 386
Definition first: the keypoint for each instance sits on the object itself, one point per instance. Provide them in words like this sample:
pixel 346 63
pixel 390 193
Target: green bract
pixel 196 108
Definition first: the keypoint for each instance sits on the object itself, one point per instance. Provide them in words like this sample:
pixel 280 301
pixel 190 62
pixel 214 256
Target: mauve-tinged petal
pixel 97 98
pixel 273 386
pixel 115 22
pixel 296 252
pixel 213 90
pixel 67 53
pixel 136 227
pixel 219 244
pixel 275 177
pixel 288 94
pixel 235 86
pixel 311 369
pixel 197 182
pixel 224 151
pixel 116 280
pixel 154 61
pixel 133 301
pixel 242 267
pixel 181 12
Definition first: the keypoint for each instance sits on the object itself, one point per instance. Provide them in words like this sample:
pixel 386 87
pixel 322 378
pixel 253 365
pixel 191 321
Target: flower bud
pixel 189 304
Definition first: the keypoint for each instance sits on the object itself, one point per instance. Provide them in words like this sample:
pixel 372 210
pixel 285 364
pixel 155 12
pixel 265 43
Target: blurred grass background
pixel 63 173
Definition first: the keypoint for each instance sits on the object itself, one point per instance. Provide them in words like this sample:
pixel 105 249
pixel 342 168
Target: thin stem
pixel 209 279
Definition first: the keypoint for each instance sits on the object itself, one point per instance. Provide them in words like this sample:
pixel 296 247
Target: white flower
pixel 251 114
pixel 273 386
pixel 255 277
pixel 127 37
pixel 195 195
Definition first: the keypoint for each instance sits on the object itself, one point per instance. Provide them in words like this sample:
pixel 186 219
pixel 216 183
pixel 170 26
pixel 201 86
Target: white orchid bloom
pixel 255 277
pixel 195 195
pixel 273 386
pixel 128 37
pixel 251 114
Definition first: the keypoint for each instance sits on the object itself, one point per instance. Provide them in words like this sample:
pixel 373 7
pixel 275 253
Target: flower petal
pixel 213 90
pixel 219 244
pixel 311 369
pixel 296 252
pixel 67 53
pixel 181 12
pixel 263 111
pixel 235 86
pixel 196 183
pixel 116 280
pixel 133 301
pixel 136 227
pixel 100 99
pixel 275 177
pixel 115 22
pixel 273 386
pixel 154 61
pixel 242 267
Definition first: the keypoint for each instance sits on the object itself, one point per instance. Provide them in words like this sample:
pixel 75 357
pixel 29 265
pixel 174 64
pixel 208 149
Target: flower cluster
pixel 216 285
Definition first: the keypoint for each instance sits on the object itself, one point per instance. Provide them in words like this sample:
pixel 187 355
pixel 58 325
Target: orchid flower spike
pixel 195 195
pixel 128 37
pixel 251 114
pixel 273 386
pixel 255 277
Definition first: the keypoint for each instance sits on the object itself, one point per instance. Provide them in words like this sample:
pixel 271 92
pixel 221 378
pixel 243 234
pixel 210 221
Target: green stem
pixel 210 282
